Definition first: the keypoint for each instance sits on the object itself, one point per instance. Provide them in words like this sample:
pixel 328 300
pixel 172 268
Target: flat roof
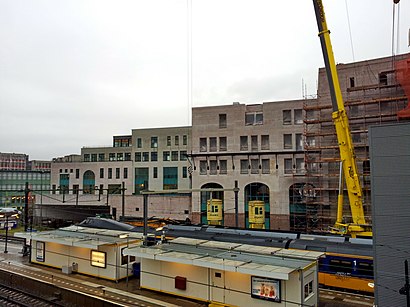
pixel 235 257
pixel 82 236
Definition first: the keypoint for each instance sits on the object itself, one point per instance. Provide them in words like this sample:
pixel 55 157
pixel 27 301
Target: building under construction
pixel 374 93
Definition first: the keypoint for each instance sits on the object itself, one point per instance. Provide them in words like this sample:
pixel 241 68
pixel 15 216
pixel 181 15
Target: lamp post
pixel 6 225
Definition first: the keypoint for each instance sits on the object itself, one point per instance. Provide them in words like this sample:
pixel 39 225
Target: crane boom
pixel 347 156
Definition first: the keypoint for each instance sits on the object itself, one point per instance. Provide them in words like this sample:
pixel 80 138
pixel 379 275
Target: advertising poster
pixel 40 251
pixel 265 288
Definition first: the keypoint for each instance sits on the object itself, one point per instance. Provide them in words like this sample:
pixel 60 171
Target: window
pixel 183 155
pixel 213 165
pixel 101 173
pixel 203 165
pixel 145 156
pixel 288 166
pixel 120 156
pixel 287 141
pixel 93 157
pixel 110 173
pixel 222 143
pixel 139 143
pixel 265 142
pixel 265 166
pixel 141 179
pixel 154 156
pixel 77 173
pixel 174 155
pixel 98 259
pixel 255 166
pixel 298 117
pixel 170 178
pixel 253 118
pixel 101 157
pixel 212 144
pixel 356 137
pixel 117 173
pixel 184 172
pixel 125 172
pixel 87 158
pixel 114 189
pixel 223 168
pixel 222 120
pixel 203 145
pixel 383 79
pixel 111 156
pixel 310 141
pixel 176 140
pixel 299 141
pixel 244 166
pixel 300 165
pixel 353 111
pixel 127 156
pixel 254 142
pixel 244 142
pixel 351 80
pixel 166 156
pixel 168 140
pixel 154 142
pixel 138 157
pixel 287 117
pixel 184 140
pixel 124 259
pixel 155 172
pixel 308 289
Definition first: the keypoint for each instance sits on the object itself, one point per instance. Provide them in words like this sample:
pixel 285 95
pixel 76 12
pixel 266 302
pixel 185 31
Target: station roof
pixel 235 257
pixel 82 236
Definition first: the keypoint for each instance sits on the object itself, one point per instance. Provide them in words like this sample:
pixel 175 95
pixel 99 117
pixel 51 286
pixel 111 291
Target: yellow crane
pixel 359 226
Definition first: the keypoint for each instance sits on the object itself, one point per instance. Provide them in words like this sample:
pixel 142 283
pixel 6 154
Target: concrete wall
pixel 229 287
pixel 59 255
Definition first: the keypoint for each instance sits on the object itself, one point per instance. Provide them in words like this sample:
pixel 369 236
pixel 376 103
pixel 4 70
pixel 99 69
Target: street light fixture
pixel 6 225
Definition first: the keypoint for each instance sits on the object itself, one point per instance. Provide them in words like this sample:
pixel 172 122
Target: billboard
pixel 265 288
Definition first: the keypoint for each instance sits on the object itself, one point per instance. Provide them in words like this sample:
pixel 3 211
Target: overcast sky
pixel 74 73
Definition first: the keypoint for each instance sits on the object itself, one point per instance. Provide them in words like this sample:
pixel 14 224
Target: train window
pixel 364 269
pixel 341 266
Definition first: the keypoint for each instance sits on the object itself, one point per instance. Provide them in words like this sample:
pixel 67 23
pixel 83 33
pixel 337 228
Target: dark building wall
pixel 390 183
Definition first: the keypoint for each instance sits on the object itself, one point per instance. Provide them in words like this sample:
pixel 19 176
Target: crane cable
pixel 350 30
pixel 395 31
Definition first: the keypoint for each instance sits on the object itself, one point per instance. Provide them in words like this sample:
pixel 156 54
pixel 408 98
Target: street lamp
pixel 6 225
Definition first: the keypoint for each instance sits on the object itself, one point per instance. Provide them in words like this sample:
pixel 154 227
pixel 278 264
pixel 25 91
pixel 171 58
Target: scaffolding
pixel 372 97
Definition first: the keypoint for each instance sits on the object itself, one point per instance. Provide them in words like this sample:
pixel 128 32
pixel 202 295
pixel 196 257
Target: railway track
pixel 14 298
pixel 335 298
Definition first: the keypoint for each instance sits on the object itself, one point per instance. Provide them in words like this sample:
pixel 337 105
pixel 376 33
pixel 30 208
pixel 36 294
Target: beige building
pixel 94 252
pixel 259 147
pixel 230 274
pixel 154 159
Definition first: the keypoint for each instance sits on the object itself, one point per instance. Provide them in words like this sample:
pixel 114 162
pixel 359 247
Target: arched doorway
pixel 89 182
pixel 257 191
pixel 303 212
pixel 205 195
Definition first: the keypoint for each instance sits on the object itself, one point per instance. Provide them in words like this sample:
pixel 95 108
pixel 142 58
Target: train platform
pixel 125 291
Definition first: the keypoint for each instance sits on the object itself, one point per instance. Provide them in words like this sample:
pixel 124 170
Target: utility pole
pixel 145 212
pixel 123 202
pixel 236 191
pixel 26 196
pixel 406 289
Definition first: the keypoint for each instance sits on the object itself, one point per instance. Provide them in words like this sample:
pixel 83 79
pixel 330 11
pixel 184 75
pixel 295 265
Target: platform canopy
pixel 268 262
pixel 82 236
